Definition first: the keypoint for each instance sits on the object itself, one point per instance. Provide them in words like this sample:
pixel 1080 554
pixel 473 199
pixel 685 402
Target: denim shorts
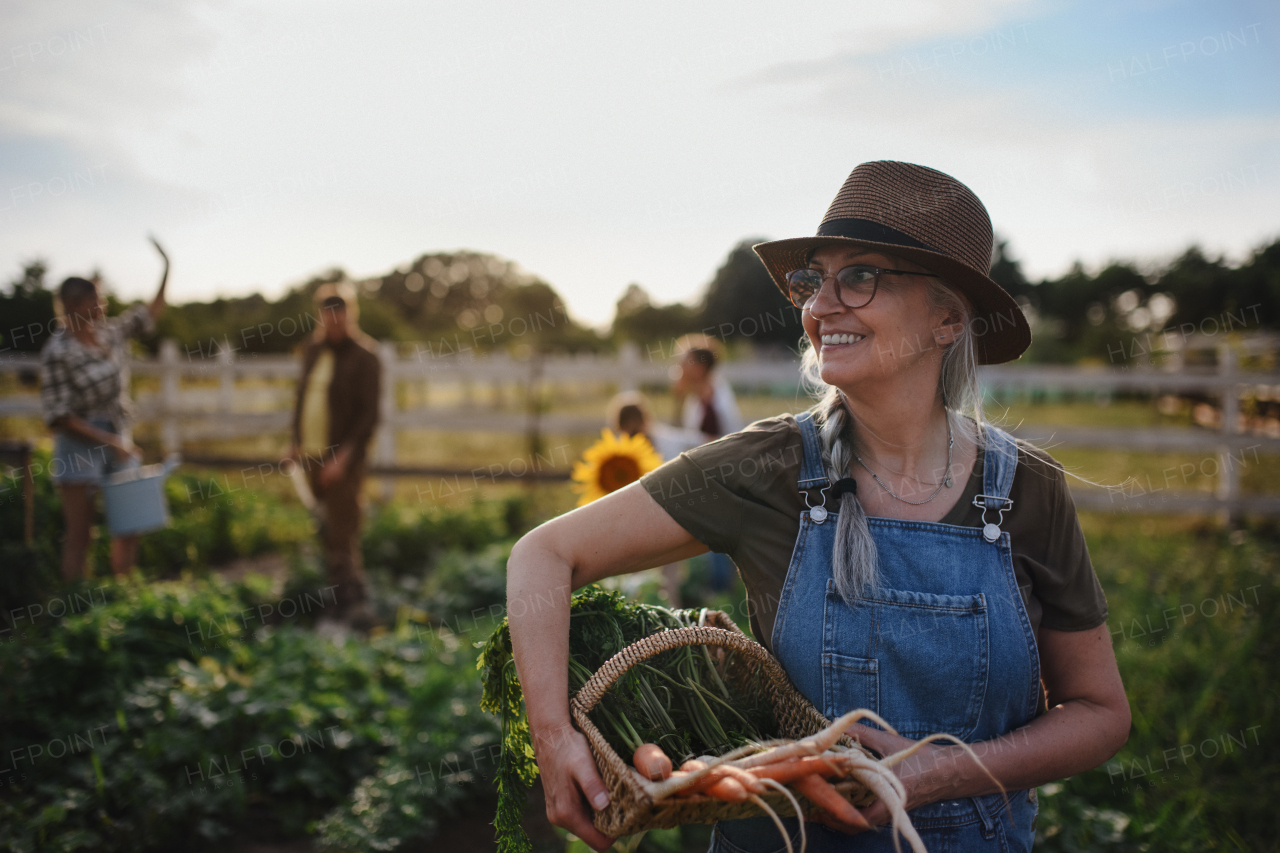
pixel 78 461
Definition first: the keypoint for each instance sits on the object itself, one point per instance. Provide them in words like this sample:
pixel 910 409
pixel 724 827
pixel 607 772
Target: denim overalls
pixel 943 644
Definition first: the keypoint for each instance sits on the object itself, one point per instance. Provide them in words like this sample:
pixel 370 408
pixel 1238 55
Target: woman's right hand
pixel 570 781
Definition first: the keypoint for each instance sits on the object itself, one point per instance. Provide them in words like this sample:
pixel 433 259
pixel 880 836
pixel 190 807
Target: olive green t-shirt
pixel 739 496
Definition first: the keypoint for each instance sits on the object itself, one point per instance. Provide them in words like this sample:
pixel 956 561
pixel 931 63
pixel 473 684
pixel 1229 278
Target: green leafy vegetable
pixel 677 699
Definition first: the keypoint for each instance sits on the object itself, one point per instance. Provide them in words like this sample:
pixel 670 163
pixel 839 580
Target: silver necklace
pixel 951 442
pixel 946 481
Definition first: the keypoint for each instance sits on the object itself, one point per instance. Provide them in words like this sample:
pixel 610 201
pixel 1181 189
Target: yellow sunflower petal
pixel 611 463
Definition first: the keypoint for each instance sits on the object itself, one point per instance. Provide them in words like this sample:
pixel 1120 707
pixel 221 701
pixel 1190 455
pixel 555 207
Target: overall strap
pixel 1000 463
pixel 812 472
pixel 998 467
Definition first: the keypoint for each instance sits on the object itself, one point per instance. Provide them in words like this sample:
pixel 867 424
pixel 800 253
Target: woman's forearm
pixel 82 428
pixel 539 585
pixel 550 562
pixel 1071 738
pixel 157 304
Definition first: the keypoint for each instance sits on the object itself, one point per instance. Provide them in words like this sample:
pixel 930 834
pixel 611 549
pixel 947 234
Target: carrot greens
pixel 677 699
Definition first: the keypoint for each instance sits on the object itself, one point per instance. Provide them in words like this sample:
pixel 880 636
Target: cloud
pixel 80 72
pixel 600 146
pixel 1070 165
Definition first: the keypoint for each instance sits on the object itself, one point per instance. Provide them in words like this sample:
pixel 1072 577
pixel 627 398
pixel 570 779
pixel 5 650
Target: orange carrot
pixel 699 787
pixel 716 775
pixel 745 778
pixel 786 771
pixel 728 789
pixel 652 762
pixel 712 777
pixel 825 796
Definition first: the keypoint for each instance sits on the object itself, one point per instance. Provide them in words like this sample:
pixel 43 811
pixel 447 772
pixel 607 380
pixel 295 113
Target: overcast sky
pixel 601 144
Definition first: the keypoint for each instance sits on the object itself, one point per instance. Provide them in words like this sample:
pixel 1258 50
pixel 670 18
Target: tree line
pixel 449 303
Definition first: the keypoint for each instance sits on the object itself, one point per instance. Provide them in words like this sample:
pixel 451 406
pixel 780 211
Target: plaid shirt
pixel 88 383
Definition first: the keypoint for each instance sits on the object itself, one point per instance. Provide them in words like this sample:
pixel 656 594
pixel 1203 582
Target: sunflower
pixel 611 463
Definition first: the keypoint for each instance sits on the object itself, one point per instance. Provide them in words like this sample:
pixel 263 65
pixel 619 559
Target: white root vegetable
pixel 777 821
pixel 876 775
pixel 795 804
pixel 773 751
pixel 819 743
pixel 890 795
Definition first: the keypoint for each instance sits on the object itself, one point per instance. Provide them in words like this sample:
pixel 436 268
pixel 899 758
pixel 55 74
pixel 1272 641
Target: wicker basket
pixel 630 808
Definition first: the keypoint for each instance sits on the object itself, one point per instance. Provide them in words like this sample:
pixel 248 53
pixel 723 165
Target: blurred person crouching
pixel 333 420
pixel 84 399
pixel 629 415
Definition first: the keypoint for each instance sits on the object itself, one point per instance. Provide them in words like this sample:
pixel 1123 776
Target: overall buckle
pixel 990 531
pixel 838 490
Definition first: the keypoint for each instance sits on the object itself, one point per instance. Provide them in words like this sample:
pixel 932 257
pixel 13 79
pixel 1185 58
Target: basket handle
pixel 655 644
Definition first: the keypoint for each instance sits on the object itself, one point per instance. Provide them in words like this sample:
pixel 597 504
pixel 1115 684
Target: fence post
pixel 628 366
pixel 534 403
pixel 170 441
pixel 1229 482
pixel 226 380
pixel 385 444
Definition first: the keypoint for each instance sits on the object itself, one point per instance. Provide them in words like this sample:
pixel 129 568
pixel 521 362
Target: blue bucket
pixel 136 501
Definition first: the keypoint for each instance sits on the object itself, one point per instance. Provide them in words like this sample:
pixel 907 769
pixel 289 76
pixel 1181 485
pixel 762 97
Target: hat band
pixel 866 229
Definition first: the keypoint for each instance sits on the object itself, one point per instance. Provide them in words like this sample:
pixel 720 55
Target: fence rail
pixel 240 396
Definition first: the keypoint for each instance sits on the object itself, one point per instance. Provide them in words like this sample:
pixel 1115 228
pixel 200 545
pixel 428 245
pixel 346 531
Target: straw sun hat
pixel 929 218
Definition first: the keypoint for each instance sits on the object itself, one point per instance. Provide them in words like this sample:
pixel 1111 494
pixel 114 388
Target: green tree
pixel 27 310
pixel 637 319
pixel 743 303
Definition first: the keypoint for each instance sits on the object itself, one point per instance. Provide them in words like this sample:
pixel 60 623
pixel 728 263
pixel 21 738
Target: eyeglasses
pixel 855 285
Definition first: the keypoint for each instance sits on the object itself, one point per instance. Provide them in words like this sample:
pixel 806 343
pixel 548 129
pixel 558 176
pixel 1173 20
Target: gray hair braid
pixel 854 561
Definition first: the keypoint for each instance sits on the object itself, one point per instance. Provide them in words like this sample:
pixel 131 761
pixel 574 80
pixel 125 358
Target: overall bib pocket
pixel 918 659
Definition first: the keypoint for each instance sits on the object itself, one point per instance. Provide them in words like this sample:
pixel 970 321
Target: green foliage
pixel 1192 616
pixel 742 302
pixel 156 694
pixel 38 562
pixel 187 732
pixel 517 768
pixel 1100 316
pixel 27 310
pixel 636 318
pixel 403 541
pixel 211 525
pixel 447 302
pixel 676 699
pixel 442 760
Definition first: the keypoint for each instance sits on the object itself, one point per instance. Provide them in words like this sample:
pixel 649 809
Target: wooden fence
pixel 230 396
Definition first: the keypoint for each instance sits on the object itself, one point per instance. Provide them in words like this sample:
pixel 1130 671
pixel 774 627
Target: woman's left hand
pixel 914 773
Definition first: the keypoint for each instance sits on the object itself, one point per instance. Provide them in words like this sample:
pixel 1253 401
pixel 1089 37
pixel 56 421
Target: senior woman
pixel 899 553
pixel 84 397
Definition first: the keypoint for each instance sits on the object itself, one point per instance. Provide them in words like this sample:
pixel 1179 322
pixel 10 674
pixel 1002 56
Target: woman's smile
pixel 831 340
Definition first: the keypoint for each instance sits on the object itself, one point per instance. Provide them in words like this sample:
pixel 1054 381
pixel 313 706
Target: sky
pixel 602 144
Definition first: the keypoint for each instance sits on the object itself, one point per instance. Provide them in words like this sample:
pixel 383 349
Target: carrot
pixel 824 795
pixel 652 762
pixel 728 789
pixel 787 771
pixel 714 776
pixel 707 780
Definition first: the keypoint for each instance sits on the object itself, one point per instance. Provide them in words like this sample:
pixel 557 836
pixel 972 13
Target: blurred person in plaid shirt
pixel 84 397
